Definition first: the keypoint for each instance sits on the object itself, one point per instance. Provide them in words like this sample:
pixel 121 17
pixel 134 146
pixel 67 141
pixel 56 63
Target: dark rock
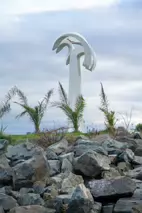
pixel 125 156
pixel 125 205
pixel 30 199
pixel 91 164
pixel 59 147
pixel 69 156
pixel 135 173
pixel 21 152
pixel 123 167
pixel 113 173
pixel 55 167
pixel 6 175
pixel 137 160
pixel 138 151
pixel 70 182
pixel 108 208
pixel 114 147
pixel 39 187
pixel 112 189
pixel 51 155
pixel 3 144
pixel 26 190
pixel 82 201
pixel 30 171
pixel 137 209
pixel 83 146
pixel 131 143
pixel 31 209
pixel 7 202
pixel 66 166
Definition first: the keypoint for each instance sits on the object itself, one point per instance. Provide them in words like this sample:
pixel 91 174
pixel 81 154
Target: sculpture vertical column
pixel 76 50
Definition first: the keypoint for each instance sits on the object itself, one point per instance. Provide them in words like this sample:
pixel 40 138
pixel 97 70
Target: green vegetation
pixel 109 115
pixel 139 127
pixel 36 113
pixel 74 116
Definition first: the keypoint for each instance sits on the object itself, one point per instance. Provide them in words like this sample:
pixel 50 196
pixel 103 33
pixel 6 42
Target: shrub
pixel 139 127
pixel 49 137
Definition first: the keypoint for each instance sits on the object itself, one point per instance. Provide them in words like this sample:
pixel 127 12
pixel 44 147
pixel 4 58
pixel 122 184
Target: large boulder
pixel 135 173
pixel 3 145
pixel 30 171
pixel 55 167
pixel 7 202
pixel 59 147
pixel 125 205
pixel 21 152
pixel 131 143
pixel 112 189
pixel 6 175
pixel 31 209
pixel 70 182
pixel 82 146
pixel 82 201
pixel 91 164
pixel 30 199
pixel 113 147
pixel 138 151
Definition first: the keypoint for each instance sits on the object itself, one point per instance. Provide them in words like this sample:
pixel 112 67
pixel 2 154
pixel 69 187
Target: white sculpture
pixel 78 46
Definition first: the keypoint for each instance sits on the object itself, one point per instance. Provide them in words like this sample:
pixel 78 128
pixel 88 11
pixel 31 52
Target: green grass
pixel 16 139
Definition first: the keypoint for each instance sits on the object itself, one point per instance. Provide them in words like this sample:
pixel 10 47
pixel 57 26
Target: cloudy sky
pixel 28 29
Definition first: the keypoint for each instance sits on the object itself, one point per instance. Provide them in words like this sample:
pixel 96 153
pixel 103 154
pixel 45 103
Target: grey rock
pixel 70 182
pixel 108 208
pixel 69 156
pixel 31 209
pixel 30 171
pixel 59 147
pixel 66 166
pixel 135 173
pixel 7 202
pixel 51 155
pixel 30 199
pixel 91 164
pixel 137 160
pixel 113 173
pixel 1 209
pixel 61 202
pixel 123 167
pixel 112 188
pixel 4 162
pixel 131 143
pixel 82 201
pixel 137 209
pixel 138 151
pixel 113 147
pixel 21 152
pixel 83 146
pixel 26 190
pixel 39 187
pixel 6 175
pixel 3 144
pixel 55 167
pixel 125 156
pixel 138 192
pixel 125 205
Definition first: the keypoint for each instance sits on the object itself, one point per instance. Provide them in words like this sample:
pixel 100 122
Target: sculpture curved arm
pixel 89 59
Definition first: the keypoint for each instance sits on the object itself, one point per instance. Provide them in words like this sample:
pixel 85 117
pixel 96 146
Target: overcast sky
pixel 28 29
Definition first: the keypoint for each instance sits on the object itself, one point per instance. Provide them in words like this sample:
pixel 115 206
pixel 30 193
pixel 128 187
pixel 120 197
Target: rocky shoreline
pixel 103 175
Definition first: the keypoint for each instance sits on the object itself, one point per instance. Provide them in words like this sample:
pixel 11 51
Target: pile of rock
pixel 90 176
